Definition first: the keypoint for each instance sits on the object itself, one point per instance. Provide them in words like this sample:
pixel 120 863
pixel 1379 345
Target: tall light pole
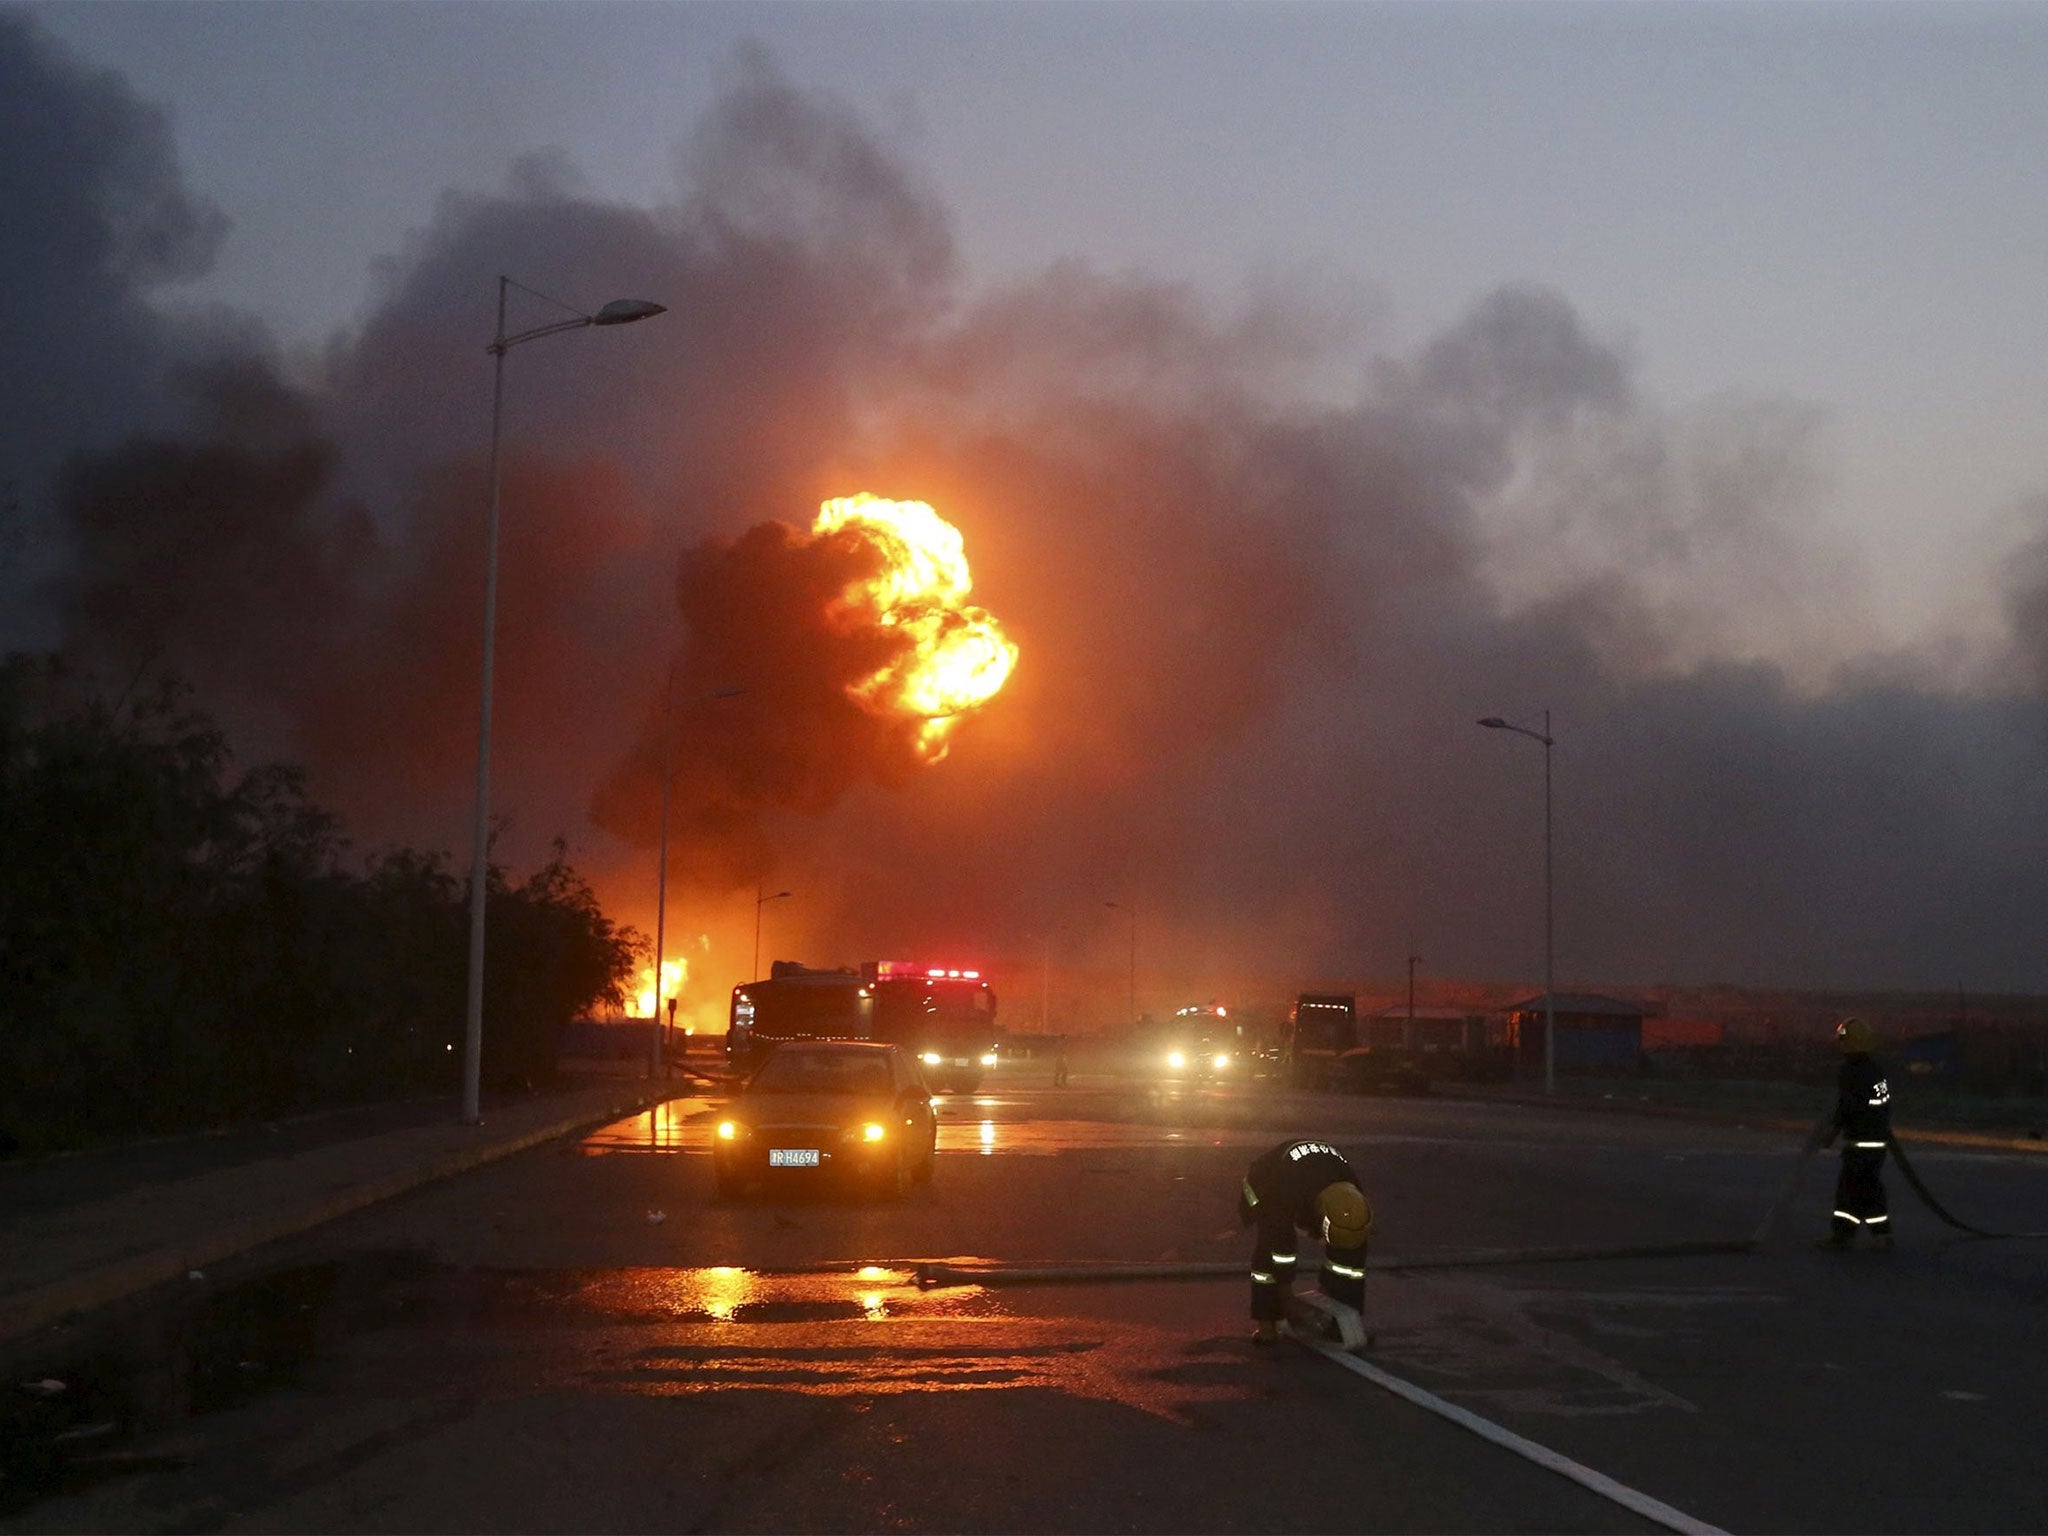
pixel 1495 723
pixel 761 901
pixel 1045 974
pixel 1045 991
pixel 1132 908
pixel 618 312
pixel 1409 1040
pixel 654 1054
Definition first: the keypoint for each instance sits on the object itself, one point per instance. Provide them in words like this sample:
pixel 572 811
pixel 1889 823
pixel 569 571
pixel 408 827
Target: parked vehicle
pixel 1322 1028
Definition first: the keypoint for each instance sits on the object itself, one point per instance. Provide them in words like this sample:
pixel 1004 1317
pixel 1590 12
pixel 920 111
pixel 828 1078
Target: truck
pixel 943 1016
pixel 797 1002
pixel 1322 1030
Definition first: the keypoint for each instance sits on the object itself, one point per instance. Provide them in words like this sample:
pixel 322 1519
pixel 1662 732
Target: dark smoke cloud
pixel 96 220
pixel 760 614
pixel 1257 625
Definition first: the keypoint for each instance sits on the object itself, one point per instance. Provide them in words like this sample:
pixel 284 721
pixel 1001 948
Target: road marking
pixel 1598 1482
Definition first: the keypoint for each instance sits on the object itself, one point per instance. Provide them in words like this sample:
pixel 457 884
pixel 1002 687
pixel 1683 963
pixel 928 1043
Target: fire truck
pixel 797 1002
pixel 944 1016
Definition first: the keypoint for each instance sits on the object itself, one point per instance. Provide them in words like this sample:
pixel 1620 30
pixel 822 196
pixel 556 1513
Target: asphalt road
pixel 582 1338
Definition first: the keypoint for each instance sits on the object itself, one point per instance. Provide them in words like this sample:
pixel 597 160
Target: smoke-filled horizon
pixel 1256 624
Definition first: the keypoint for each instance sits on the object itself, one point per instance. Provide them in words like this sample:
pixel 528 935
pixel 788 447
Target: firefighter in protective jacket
pixel 1303 1186
pixel 1863 1119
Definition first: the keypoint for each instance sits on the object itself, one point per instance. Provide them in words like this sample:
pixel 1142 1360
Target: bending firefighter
pixel 1863 1119
pixel 1303 1186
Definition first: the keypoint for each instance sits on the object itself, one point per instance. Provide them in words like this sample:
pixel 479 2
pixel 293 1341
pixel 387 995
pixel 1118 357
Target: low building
pixel 1594 1033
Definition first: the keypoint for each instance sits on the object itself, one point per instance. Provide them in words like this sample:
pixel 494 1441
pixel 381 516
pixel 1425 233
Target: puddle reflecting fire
pixel 678 1125
pixel 870 1330
pixel 684 1126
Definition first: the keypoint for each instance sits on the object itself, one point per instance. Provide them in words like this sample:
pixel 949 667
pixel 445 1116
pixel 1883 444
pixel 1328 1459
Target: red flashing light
pixel 886 970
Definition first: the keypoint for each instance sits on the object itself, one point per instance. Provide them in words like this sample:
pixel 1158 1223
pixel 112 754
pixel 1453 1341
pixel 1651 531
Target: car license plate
pixel 959 1061
pixel 792 1157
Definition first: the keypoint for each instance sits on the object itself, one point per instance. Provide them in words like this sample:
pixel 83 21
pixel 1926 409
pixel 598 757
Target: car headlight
pixel 727 1130
pixel 989 1060
pixel 1176 1060
pixel 872 1131
pixel 931 1058
pixel 1222 1060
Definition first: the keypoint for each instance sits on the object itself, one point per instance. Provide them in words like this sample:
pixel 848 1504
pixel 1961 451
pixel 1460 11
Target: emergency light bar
pixel 887 969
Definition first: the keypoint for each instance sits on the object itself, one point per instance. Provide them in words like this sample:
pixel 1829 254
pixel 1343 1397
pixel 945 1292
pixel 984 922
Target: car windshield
pixel 846 1072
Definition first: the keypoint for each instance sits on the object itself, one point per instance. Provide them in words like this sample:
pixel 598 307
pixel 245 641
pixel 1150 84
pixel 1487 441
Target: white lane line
pixel 1598 1482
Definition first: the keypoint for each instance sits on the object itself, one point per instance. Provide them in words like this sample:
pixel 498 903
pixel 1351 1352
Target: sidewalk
pixel 64 1259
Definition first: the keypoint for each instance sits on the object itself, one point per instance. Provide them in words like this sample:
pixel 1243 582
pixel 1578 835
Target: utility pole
pixel 1408 1039
pixel 1495 723
pixel 1132 908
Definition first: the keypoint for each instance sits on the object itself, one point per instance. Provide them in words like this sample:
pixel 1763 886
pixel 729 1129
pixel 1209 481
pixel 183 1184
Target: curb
pixel 27 1311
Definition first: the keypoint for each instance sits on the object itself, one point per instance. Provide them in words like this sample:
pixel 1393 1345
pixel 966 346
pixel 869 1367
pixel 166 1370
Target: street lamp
pixel 1132 908
pixel 618 312
pixel 1408 1040
pixel 761 901
pixel 1495 723
pixel 1045 975
pixel 654 1059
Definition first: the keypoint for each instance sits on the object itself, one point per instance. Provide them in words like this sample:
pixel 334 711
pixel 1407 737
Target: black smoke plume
pixel 1257 621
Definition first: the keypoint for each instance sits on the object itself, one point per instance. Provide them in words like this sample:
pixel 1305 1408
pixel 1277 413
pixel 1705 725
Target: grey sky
pixel 1306 382
pixel 1840 205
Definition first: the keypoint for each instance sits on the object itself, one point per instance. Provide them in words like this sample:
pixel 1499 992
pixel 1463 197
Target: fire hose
pixel 941 1273
pixel 1819 1138
pixel 1941 1211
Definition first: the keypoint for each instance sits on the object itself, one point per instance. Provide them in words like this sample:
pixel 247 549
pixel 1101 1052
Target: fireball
pixel 957 658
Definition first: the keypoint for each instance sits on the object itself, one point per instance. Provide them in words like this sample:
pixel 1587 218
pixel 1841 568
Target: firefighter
pixel 1303 1186
pixel 1863 1119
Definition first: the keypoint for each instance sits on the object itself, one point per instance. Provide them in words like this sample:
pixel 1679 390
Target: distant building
pixel 1594 1033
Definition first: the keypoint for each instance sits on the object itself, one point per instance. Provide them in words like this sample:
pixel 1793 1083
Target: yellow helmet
pixel 1346 1216
pixel 1854 1037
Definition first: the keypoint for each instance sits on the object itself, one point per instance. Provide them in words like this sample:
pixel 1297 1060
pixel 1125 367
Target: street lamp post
pixel 655 1064
pixel 1132 908
pixel 617 312
pixel 1045 991
pixel 1409 1041
pixel 1495 723
pixel 761 901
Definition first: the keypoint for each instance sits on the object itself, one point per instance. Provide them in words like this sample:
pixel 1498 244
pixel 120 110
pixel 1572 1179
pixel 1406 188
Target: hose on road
pixel 933 1274
pixel 1942 1212
pixel 1818 1138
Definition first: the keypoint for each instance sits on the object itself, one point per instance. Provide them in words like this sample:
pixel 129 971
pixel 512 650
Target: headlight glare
pixel 727 1130
pixel 872 1132
pixel 931 1058
pixel 1176 1060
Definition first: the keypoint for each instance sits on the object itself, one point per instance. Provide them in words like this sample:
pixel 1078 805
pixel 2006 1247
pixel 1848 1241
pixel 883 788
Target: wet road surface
pixel 583 1338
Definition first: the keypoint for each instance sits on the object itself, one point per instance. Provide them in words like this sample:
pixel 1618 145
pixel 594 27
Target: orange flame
pixel 959 657
pixel 673 974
